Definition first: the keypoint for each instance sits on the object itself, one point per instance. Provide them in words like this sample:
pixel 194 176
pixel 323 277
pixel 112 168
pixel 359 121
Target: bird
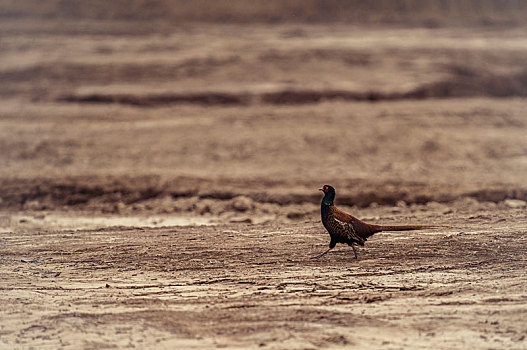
pixel 347 229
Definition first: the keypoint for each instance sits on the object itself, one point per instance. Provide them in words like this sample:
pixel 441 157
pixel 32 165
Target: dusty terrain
pixel 250 286
pixel 158 185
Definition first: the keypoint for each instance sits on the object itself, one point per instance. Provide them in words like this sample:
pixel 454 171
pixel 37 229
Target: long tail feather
pixel 403 227
pixel 368 230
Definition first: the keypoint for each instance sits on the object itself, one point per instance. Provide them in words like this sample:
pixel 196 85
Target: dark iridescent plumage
pixel 347 229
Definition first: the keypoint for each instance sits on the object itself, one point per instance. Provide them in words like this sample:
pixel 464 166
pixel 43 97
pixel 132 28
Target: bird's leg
pixel 354 251
pixel 321 255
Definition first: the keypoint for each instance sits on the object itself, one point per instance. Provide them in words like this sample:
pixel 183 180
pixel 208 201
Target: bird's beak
pixel 321 189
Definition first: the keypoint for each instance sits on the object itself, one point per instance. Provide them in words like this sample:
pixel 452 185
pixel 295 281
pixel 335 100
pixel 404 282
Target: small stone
pixel 401 204
pixel 119 207
pixel 32 205
pixel 241 219
pixel 204 206
pixel 138 207
pixel 515 203
pixel 242 203
pixel 467 202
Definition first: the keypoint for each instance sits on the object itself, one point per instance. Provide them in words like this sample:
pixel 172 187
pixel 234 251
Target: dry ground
pixel 115 137
pixel 251 286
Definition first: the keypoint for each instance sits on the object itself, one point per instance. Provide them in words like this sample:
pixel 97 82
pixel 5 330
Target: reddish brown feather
pixel 365 230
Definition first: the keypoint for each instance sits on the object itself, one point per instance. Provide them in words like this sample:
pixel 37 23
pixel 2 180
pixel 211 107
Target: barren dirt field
pixel 158 185
pixel 249 286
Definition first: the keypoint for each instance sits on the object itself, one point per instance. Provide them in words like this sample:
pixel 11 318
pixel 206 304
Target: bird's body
pixel 345 228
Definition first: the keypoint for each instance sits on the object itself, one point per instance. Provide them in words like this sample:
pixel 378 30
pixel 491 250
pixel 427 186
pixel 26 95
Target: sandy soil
pixel 158 188
pixel 251 286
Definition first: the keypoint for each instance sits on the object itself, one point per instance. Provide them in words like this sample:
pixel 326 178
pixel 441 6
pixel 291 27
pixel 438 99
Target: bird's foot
pixel 354 252
pixel 321 255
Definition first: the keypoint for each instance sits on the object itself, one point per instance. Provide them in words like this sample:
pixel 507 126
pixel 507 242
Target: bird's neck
pixel 328 199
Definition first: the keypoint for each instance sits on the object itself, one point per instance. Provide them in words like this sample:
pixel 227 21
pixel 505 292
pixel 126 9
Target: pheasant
pixel 344 228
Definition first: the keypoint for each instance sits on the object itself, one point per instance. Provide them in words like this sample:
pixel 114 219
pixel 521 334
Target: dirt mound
pixel 463 84
pixel 200 196
pixel 159 100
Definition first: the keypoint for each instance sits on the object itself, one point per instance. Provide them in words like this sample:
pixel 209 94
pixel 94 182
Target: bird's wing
pixel 342 216
pixel 361 228
pixel 346 226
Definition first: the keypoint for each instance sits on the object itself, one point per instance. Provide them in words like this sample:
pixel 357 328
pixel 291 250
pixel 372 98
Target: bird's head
pixel 329 194
pixel 327 189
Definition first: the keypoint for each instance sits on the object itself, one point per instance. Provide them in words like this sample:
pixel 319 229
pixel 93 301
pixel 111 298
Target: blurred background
pixel 132 106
